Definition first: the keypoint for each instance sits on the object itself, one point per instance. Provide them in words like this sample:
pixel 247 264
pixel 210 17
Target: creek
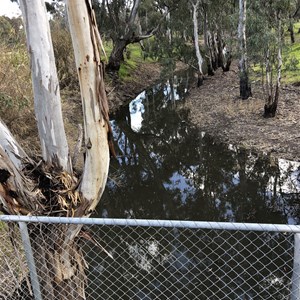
pixel 168 169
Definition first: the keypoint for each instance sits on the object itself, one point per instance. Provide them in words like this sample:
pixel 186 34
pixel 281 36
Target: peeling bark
pixel 47 100
pixel 50 187
pixel 83 30
pixel 196 41
pixel 11 147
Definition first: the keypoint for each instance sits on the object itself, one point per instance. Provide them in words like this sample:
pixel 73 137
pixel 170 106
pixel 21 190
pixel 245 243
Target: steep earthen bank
pixel 121 92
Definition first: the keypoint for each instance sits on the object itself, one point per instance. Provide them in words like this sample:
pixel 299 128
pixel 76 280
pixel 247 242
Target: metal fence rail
pixel 151 259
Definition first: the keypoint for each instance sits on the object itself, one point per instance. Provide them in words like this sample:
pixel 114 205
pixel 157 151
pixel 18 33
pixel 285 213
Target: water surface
pixel 168 169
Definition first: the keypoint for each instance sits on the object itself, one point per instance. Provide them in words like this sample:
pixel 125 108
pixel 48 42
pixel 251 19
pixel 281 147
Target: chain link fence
pixel 146 259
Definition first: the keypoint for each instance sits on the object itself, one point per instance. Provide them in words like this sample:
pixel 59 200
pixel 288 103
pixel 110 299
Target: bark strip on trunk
pixel 47 100
pixel 84 35
pixel 51 188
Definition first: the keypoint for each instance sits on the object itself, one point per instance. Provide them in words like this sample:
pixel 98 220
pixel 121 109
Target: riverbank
pixel 121 92
pixel 145 75
pixel 216 108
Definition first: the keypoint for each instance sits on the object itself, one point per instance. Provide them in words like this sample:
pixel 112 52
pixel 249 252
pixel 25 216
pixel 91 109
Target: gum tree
pixel 266 32
pixel 50 187
pixel 245 87
pixel 195 7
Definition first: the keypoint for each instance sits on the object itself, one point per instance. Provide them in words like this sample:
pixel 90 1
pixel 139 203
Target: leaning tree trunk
pixel 86 44
pixel 50 187
pixel 245 87
pixel 119 44
pixel 196 41
pixel 131 34
pixel 117 55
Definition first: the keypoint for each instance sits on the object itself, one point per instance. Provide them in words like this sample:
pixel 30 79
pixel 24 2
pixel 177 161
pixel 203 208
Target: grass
pixel 133 56
pixel 291 58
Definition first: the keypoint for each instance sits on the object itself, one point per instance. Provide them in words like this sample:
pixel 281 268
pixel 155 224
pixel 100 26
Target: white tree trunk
pixel 268 75
pixel 47 100
pixel 60 265
pixel 196 36
pixel 207 42
pixel 84 36
pixel 134 12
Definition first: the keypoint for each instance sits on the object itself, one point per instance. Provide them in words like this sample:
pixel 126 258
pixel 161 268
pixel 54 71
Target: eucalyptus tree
pixel 245 86
pixel 126 27
pixel 275 11
pixel 195 7
pixel 223 19
pixel 50 186
pixel 268 20
pixel 217 33
pixel 209 39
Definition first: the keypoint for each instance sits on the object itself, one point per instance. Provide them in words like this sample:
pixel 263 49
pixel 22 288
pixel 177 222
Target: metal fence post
pixel 295 293
pixel 30 261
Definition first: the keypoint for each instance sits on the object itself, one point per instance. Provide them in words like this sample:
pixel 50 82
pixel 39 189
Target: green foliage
pixel 133 57
pixel 7 102
pixel 291 64
pixel 15 81
pixel 263 33
pixel 291 59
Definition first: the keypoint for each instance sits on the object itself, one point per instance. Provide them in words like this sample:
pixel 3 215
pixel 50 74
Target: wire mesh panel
pixel 149 262
pixel 13 267
pixel 170 263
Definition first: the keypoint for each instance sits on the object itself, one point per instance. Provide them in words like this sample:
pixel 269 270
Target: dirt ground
pixel 216 108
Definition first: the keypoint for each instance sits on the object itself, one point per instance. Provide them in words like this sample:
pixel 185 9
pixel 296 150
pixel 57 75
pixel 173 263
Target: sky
pixel 9 9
